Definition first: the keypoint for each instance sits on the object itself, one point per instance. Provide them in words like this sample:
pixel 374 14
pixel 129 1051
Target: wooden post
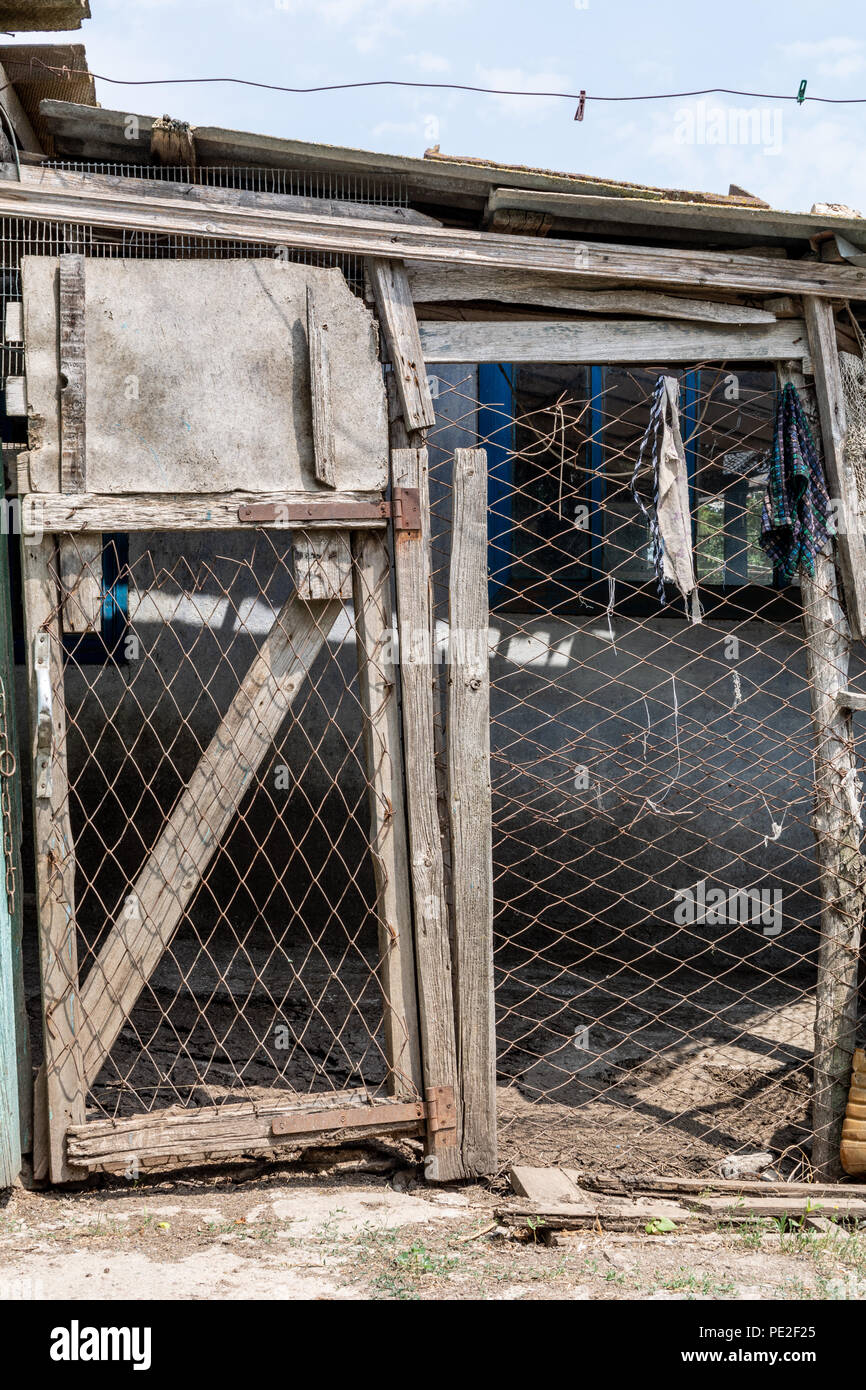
pixel 470 811
pixel 432 948
pixel 850 546
pixel 324 459
pixel 378 690
pixel 397 313
pixel 837 825
pixel 10 1123
pixel 80 558
pixel 11 968
pixel 62 1085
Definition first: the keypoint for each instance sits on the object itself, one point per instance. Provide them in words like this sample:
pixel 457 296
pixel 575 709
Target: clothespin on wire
pixel 581 103
pixel 801 95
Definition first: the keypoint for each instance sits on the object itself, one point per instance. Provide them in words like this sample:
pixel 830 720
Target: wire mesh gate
pixel 226 855
pixel 657 891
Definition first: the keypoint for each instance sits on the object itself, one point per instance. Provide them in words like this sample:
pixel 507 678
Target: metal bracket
pixel 437 1114
pixel 410 1113
pixel 404 508
pixel 44 713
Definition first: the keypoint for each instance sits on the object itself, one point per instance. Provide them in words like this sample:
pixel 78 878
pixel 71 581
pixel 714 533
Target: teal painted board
pixel 16 1108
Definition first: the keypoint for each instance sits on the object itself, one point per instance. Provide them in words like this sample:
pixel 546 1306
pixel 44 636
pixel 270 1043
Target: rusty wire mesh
pixel 271 982
pixel 640 763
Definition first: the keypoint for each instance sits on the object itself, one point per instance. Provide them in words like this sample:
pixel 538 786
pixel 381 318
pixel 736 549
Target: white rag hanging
pixel 673 511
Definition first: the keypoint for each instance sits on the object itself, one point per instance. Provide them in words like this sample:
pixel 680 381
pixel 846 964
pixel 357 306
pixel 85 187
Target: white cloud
pixel 519 80
pixel 836 57
pixel 819 158
pixel 373 21
pixel 428 62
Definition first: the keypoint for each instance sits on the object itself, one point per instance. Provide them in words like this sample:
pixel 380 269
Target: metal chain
pixel 7 772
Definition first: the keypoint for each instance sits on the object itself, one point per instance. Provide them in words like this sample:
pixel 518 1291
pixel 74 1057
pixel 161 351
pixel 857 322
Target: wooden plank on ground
pixel 432 947
pixel 201 816
pixel 432 284
pixel 610 340
pixel 377 680
pixel 647 1184
pixel 546 1185
pixel 64 1086
pixel 850 547
pixel 324 460
pixel 470 811
pixel 397 314
pixel 775 1207
pixel 611 1214
pixel 66 196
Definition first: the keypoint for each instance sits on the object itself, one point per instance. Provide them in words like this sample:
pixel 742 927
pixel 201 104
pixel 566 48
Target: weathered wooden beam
pixel 81 581
pixel 397 314
pixel 433 284
pixel 837 826
pixel 91 198
pixel 432 946
pixel 323 564
pixel 84 511
pixel 324 459
pixel 62 1008
pixel 201 816
pixel 16 395
pixel 246 1126
pixel 204 194
pixel 851 699
pixel 24 132
pixel 470 811
pixel 850 547
pixel 377 680
pixel 610 340
pixel 72 367
pixel 13 322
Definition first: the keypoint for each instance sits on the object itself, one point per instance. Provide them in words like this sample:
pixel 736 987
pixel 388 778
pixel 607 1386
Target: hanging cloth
pixel 795 519
pixel 661 468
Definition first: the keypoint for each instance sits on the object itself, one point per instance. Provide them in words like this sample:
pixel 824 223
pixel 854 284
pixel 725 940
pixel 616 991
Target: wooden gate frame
pixel 332 552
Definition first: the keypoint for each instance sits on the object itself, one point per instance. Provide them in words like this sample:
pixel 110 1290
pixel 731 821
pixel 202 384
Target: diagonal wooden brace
pixel 199 820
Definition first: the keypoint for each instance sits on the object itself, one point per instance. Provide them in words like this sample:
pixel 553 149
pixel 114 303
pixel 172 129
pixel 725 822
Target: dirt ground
pixel 271 1231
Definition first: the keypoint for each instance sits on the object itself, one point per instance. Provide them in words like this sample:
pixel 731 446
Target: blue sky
pixel 793 156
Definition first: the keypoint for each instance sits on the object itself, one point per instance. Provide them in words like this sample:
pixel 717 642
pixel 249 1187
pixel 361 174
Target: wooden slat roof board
pixel 82 132
pixel 756 224
pixel 56 195
pixel 43 16
pixel 47 70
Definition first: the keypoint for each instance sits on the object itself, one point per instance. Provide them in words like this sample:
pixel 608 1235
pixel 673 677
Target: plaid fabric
pixel 651 441
pixel 795 520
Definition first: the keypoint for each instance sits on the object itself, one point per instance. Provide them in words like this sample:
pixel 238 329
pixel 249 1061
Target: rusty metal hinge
pixel 404 508
pixel 441 1118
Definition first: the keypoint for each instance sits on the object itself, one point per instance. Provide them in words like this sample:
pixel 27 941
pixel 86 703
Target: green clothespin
pixel 801 95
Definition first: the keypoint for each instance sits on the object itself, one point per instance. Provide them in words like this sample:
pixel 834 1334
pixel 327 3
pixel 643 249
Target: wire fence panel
pixel 234 831
pixel 658 903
